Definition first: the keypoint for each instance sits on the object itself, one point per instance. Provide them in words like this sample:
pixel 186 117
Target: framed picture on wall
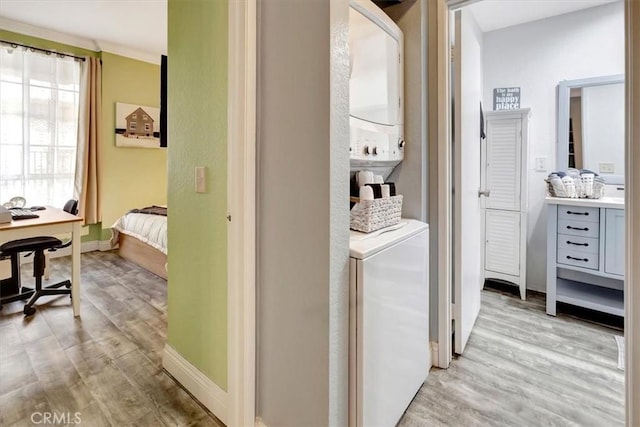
pixel 137 126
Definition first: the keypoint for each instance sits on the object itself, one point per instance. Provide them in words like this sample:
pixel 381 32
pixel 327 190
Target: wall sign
pixel 506 98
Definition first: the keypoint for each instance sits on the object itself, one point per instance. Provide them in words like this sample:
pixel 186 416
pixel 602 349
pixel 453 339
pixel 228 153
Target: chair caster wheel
pixel 28 311
pixel 68 286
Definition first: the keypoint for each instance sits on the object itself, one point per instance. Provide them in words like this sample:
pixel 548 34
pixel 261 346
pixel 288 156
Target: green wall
pixel 130 177
pixel 197 112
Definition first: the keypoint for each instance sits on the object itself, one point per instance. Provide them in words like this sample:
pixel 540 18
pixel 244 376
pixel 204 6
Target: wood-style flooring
pixel 520 368
pixel 106 366
pixel 524 368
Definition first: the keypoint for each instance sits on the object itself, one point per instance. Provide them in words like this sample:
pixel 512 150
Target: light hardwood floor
pixel 520 368
pixel 106 365
pixel 524 368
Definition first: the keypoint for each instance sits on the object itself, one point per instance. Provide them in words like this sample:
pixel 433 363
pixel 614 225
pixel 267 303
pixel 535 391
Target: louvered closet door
pixel 502 241
pixel 503 154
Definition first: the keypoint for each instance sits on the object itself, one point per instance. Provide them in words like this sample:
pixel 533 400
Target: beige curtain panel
pixel 86 186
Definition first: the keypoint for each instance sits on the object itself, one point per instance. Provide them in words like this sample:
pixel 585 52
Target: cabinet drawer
pixel 578 228
pixel 586 245
pixel 578 259
pixel 579 213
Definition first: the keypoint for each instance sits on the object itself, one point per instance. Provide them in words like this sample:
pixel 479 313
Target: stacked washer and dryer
pixel 389 268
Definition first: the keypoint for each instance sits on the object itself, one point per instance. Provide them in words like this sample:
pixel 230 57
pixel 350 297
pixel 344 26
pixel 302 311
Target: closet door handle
pixel 577 228
pixel 578 213
pixel 569 242
pixel 578 259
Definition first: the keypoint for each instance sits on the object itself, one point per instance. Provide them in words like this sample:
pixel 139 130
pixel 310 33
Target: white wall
pixel 536 57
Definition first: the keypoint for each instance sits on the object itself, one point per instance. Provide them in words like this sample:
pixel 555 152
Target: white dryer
pixel 389 355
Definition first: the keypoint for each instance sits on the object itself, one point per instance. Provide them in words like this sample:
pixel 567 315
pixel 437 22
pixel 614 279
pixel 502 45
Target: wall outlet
pixel 200 179
pixel 607 168
pixel 541 164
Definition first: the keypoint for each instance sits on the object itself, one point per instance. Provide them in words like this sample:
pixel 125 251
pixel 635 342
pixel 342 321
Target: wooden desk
pixel 52 221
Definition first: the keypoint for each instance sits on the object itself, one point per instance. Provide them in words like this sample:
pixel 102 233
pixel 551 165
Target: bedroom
pixel 135 178
pixel 129 178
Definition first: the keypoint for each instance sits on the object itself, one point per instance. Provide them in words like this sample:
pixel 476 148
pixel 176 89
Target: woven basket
pixel 598 190
pixel 372 215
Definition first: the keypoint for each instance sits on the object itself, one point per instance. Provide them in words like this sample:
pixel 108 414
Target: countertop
pixel 603 202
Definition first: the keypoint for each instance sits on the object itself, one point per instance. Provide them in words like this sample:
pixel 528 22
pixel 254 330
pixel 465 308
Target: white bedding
pixel 151 229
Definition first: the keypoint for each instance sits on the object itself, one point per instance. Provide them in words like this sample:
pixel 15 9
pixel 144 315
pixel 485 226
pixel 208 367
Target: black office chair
pixel 37 246
pixel 10 288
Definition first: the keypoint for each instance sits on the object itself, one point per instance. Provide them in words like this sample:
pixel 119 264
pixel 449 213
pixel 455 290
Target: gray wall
pixel 303 213
pixel 412 175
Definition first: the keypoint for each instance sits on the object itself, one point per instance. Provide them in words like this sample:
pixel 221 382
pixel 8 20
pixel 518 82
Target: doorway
pixel 442 11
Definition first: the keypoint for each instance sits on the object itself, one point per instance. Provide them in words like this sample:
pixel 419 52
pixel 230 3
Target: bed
pixel 141 237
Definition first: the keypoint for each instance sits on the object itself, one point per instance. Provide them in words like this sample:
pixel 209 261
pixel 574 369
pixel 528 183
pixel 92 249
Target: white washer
pixel 389 356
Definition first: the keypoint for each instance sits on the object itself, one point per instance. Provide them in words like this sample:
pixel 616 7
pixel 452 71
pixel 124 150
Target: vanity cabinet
pixel 614 242
pixel 585 254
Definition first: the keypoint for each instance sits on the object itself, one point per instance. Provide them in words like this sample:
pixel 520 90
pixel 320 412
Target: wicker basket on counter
pixel 598 190
pixel 372 215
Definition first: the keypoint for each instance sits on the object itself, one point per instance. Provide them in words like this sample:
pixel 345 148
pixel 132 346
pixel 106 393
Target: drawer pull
pixel 569 242
pixel 578 259
pixel 577 228
pixel 578 213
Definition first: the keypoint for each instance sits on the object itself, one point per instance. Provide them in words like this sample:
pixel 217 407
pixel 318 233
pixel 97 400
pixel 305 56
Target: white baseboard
pixel 260 423
pixel 104 245
pixel 434 353
pixel 198 384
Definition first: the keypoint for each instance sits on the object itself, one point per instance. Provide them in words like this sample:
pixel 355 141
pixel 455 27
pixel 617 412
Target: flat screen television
pixel 163 101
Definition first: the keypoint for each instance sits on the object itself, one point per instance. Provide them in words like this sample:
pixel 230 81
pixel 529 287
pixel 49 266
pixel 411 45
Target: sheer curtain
pixel 39 104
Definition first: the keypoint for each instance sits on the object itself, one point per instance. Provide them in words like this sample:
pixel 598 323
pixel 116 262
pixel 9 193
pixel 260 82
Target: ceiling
pixel 495 14
pixel 141 25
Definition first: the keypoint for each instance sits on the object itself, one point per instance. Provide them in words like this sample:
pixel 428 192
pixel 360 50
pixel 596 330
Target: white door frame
pixel 439 18
pixel 440 199
pixel 241 201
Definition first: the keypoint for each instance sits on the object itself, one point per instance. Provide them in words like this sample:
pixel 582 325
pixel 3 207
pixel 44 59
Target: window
pixel 134 116
pixel 133 126
pixel 147 127
pixel 39 101
pixel 145 117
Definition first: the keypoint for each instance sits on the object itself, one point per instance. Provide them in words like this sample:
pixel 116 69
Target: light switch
pixel 541 164
pixel 201 186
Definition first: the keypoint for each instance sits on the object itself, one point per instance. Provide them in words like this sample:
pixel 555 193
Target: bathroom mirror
pixel 590 127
